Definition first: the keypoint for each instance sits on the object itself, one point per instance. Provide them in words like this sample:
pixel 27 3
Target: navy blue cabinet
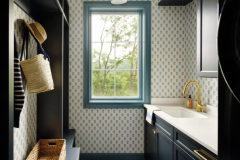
pixel 190 147
pixel 150 142
pixel 158 140
pixel 164 146
pixel 165 142
pixel 180 154
pixel 158 146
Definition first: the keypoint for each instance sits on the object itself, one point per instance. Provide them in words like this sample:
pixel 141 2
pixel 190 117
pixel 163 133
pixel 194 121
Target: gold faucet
pixel 199 107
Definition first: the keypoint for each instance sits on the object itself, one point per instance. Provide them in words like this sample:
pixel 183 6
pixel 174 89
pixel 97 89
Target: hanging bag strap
pixel 43 52
pixel 16 54
pixel 25 37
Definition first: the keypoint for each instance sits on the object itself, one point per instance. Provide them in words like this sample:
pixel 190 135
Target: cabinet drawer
pixel 180 154
pixel 165 127
pixel 191 146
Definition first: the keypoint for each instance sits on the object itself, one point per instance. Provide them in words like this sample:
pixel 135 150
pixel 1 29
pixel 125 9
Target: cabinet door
pixel 165 147
pixel 180 154
pixel 150 142
pixel 207 27
pixel 190 146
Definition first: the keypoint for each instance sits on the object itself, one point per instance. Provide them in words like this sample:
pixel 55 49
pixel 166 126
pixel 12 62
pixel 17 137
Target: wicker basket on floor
pixel 49 149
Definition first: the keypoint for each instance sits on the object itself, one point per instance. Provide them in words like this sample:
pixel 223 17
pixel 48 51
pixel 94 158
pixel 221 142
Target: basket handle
pixel 52 144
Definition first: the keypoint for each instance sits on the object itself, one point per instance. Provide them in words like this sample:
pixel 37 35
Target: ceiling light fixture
pixel 118 1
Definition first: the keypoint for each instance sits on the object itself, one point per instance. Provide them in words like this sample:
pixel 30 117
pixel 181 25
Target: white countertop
pixel 202 130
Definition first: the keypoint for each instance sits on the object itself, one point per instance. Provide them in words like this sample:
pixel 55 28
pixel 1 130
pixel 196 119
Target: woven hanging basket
pixel 48 149
pixel 38 74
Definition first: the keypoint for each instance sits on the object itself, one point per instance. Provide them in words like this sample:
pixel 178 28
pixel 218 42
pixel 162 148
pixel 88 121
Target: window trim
pixel 119 99
pixel 141 7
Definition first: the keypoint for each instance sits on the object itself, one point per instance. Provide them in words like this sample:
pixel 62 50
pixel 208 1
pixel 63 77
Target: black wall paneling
pixel 7 73
pixel 66 9
pixel 50 103
pixel 52 106
pixel 174 2
pixel 61 6
pixel 65 32
pixel 66 78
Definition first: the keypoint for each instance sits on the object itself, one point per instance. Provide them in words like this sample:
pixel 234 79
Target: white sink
pixel 182 113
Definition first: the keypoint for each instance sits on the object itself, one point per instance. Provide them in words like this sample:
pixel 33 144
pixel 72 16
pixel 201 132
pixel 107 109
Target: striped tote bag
pixel 19 95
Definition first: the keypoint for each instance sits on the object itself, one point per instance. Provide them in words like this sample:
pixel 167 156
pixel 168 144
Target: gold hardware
pixel 199 107
pixel 204 152
pixel 154 131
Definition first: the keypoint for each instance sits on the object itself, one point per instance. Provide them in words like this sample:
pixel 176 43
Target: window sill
pixel 116 101
pixel 116 104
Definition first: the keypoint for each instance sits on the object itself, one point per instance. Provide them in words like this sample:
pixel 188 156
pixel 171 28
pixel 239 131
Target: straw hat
pixel 37 31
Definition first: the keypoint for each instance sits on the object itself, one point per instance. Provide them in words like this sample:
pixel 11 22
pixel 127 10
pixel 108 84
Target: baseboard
pixel 112 156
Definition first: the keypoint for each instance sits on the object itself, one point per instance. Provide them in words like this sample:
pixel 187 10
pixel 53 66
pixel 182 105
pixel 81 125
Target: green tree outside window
pixel 115 41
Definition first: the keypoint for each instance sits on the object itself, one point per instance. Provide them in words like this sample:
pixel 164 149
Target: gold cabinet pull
pixel 207 154
pixel 154 131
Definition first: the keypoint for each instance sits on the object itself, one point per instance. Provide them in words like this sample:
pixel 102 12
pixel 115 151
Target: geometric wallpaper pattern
pixel 98 130
pixel 173 64
pixel 168 69
pixel 209 86
pixel 25 136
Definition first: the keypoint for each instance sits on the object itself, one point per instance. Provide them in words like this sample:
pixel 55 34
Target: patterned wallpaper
pixel 168 51
pixel 98 130
pixel 209 86
pixel 173 64
pixel 25 136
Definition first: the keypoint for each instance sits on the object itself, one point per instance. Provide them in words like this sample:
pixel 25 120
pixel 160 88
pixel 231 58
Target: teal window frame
pixel 144 10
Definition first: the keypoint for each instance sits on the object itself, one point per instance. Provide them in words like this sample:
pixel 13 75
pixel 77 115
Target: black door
pixel 165 147
pixel 229 45
pixel 150 142
pixel 180 154
pixel 229 81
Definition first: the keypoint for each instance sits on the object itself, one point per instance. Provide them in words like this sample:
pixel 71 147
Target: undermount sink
pixel 182 113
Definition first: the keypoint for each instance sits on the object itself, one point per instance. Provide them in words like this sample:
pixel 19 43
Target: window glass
pixel 115 55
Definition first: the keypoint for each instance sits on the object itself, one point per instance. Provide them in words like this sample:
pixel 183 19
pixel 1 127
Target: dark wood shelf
pixel 29 8
pixel 46 5
pixel 36 7
pixel 174 2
